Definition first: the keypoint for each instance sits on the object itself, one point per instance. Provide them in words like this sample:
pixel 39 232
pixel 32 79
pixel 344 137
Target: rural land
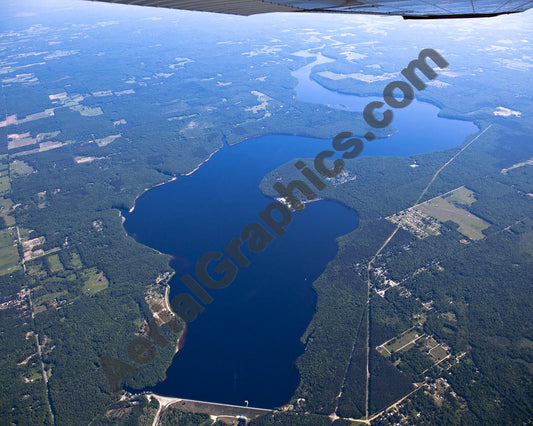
pixel 425 314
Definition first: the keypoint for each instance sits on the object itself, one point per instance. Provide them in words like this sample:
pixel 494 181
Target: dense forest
pixel 459 292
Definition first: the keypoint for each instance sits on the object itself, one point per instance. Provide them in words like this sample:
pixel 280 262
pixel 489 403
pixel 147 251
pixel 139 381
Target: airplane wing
pixel 412 9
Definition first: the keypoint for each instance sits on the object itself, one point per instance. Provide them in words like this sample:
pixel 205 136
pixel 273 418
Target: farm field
pixel 9 256
pixel 445 208
pixel 425 219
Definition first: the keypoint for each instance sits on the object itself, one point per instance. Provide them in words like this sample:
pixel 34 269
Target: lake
pixel 244 345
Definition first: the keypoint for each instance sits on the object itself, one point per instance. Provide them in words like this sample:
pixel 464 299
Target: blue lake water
pixel 244 345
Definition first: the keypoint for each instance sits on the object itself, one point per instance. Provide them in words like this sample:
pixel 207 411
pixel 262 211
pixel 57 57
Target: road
pixel 387 241
pixel 211 408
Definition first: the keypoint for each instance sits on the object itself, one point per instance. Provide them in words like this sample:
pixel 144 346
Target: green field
pixel 87 111
pixel 75 261
pixel 401 343
pixel 461 195
pixel 526 242
pixel 49 296
pixel 5 186
pixel 94 281
pixel 438 353
pixel 20 168
pixel 443 209
pixel 9 256
pixel 5 207
pixel 54 263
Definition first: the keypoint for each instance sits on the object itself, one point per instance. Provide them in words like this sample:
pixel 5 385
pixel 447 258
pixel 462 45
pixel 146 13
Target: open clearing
pixel 54 263
pixel 438 353
pixel 75 261
pixel 404 342
pixel 401 343
pixel 446 208
pixel 9 255
pixel 5 185
pixel 94 281
pixel 107 140
pixel 45 298
pixel 5 208
pixel 20 168
pixel 425 218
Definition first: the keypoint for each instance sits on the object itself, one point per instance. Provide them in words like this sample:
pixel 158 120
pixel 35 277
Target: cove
pixel 244 345
pixel 420 129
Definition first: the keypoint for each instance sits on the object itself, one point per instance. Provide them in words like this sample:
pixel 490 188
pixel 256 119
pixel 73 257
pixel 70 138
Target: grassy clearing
pixel 425 219
pixel 87 111
pixel 20 168
pixel 444 209
pixel 461 195
pixel 54 263
pixel 5 185
pixel 45 298
pixel 400 343
pixel 526 242
pixel 9 255
pixel 405 342
pixel 48 135
pixel 107 140
pixel 438 353
pixel 75 261
pixel 35 269
pixel 5 208
pixel 95 281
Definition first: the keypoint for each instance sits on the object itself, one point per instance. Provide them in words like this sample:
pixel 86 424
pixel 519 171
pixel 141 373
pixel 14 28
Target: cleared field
pixel 87 111
pixel 438 353
pixel 9 255
pixel 443 210
pixel 49 296
pixel 447 207
pixel 9 258
pixel 54 263
pixel 5 186
pixel 107 140
pixel 47 146
pixel 75 261
pixel 37 116
pixel 425 219
pixel 14 140
pixel 5 208
pixel 20 168
pixel 47 135
pixel 94 281
pixel 401 343
pixel 404 342
pixel 515 166
pixel 461 195
pixel 18 143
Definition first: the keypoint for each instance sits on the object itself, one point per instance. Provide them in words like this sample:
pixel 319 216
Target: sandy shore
pixel 202 163
pixel 173 178
pixel 148 189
